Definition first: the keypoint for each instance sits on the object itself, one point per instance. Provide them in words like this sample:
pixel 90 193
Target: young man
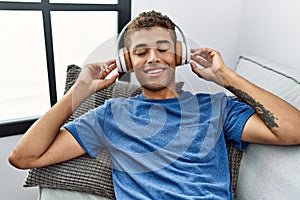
pixel 164 144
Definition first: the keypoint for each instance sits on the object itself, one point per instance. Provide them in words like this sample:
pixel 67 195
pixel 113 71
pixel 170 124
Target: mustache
pixel 147 67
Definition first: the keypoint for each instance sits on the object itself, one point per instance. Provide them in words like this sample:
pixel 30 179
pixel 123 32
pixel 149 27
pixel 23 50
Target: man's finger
pixel 195 69
pixel 199 60
pixel 107 70
pixel 107 82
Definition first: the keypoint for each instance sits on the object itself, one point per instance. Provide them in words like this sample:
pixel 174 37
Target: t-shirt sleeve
pixel 236 116
pixel 88 130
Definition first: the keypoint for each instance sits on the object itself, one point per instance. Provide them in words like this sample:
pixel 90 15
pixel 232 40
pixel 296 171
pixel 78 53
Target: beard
pixel 153 86
pixel 166 80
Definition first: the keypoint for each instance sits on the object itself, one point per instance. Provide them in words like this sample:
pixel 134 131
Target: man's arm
pixel 46 142
pixel 275 120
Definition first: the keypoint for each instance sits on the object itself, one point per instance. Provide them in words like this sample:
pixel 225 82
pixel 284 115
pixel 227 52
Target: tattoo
pixel 263 113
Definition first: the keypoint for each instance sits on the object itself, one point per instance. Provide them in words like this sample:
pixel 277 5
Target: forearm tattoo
pixel 263 113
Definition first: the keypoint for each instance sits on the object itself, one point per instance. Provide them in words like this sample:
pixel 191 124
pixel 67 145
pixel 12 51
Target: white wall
pixel 271 29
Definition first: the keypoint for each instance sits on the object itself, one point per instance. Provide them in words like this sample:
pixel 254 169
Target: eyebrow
pixel 145 45
pixel 163 41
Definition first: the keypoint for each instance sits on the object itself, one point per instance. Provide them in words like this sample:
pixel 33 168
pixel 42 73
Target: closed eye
pixel 163 46
pixel 140 51
pixel 141 54
pixel 162 50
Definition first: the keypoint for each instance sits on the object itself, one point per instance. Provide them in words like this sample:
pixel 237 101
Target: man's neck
pixel 165 93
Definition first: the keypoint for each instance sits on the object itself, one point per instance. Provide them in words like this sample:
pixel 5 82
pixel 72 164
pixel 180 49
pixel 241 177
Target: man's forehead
pixel 150 36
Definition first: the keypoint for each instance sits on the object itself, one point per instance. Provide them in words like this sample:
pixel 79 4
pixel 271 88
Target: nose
pixel 153 56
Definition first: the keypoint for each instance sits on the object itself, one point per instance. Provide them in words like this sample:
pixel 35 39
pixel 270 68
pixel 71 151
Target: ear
pixel 125 61
pixel 178 53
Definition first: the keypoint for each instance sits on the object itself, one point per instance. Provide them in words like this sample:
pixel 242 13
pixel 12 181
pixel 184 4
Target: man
pixel 164 144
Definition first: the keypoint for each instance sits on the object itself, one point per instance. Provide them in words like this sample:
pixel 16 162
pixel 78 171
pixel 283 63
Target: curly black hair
pixel 151 19
pixel 147 20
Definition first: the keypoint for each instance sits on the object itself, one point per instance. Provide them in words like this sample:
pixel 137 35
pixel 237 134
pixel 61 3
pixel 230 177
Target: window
pixel 38 40
pixel 23 80
pixel 75 35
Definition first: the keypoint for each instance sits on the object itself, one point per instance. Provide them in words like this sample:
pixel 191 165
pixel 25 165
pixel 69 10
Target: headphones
pixel 123 60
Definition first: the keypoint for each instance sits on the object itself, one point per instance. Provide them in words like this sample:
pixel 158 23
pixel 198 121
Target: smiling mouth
pixel 154 71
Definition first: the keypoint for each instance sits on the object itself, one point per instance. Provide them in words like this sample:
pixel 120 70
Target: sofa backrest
pixel 270 172
pixel 281 80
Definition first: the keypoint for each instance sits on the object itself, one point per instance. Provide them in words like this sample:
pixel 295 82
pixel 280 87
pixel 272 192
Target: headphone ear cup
pixel 127 60
pixel 178 53
pixel 124 64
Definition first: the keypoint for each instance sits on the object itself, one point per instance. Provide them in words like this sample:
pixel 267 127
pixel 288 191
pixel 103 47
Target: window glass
pixel 76 35
pixel 86 1
pixel 23 78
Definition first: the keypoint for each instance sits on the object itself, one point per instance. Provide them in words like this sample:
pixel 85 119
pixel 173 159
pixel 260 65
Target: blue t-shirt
pixel 166 149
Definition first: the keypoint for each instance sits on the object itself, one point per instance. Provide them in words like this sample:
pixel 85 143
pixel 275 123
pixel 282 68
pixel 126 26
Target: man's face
pixel 152 55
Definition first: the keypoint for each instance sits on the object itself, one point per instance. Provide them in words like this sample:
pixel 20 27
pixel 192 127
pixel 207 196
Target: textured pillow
pixel 84 174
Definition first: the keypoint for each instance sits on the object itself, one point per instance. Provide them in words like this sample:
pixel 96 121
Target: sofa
pixel 266 171
pixel 86 178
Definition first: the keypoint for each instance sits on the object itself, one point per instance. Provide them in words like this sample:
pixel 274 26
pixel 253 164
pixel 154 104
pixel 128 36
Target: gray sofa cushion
pixel 267 171
pixel 60 194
